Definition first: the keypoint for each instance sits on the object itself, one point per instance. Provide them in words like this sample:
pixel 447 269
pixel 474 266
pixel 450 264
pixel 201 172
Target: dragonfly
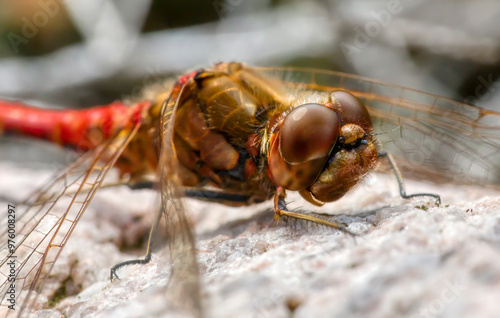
pixel 237 135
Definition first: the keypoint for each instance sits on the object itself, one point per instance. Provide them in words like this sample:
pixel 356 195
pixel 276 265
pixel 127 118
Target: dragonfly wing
pixel 49 220
pixel 431 137
pixel 183 291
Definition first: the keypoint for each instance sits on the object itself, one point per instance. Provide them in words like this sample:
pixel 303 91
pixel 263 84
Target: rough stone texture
pixel 405 262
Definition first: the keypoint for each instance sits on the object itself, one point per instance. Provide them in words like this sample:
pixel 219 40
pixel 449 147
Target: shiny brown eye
pixel 308 132
pixel 301 144
pixel 351 110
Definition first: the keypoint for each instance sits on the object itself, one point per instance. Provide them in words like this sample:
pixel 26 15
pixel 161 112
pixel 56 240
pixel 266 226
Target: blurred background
pixel 79 53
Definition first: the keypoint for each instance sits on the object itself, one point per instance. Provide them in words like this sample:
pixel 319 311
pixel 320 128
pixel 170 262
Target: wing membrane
pixel 183 291
pixel 51 217
pixel 431 137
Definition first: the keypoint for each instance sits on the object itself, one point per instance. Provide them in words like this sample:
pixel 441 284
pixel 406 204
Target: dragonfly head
pixel 322 150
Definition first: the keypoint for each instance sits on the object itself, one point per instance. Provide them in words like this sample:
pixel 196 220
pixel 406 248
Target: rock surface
pixel 409 258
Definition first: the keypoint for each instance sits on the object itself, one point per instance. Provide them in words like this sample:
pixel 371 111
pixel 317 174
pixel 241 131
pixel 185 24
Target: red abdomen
pixel 82 129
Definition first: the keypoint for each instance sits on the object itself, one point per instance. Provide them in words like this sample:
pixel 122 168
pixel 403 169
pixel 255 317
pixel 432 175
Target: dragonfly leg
pixel 142 184
pixel 219 196
pixel 149 252
pixel 69 193
pixel 402 190
pixel 84 190
pixel 201 194
pixel 281 210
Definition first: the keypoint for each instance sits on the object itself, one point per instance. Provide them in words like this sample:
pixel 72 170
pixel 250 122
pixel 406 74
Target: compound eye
pixel 351 110
pixel 308 132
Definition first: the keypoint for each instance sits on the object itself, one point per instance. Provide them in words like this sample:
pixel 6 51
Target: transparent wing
pixel 431 137
pixel 49 220
pixel 183 291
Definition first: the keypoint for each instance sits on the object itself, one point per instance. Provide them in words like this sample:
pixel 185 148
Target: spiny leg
pixel 281 210
pixel 200 194
pixel 142 185
pixel 279 204
pixel 149 252
pixel 402 190
pixel 134 186
pixel 217 196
